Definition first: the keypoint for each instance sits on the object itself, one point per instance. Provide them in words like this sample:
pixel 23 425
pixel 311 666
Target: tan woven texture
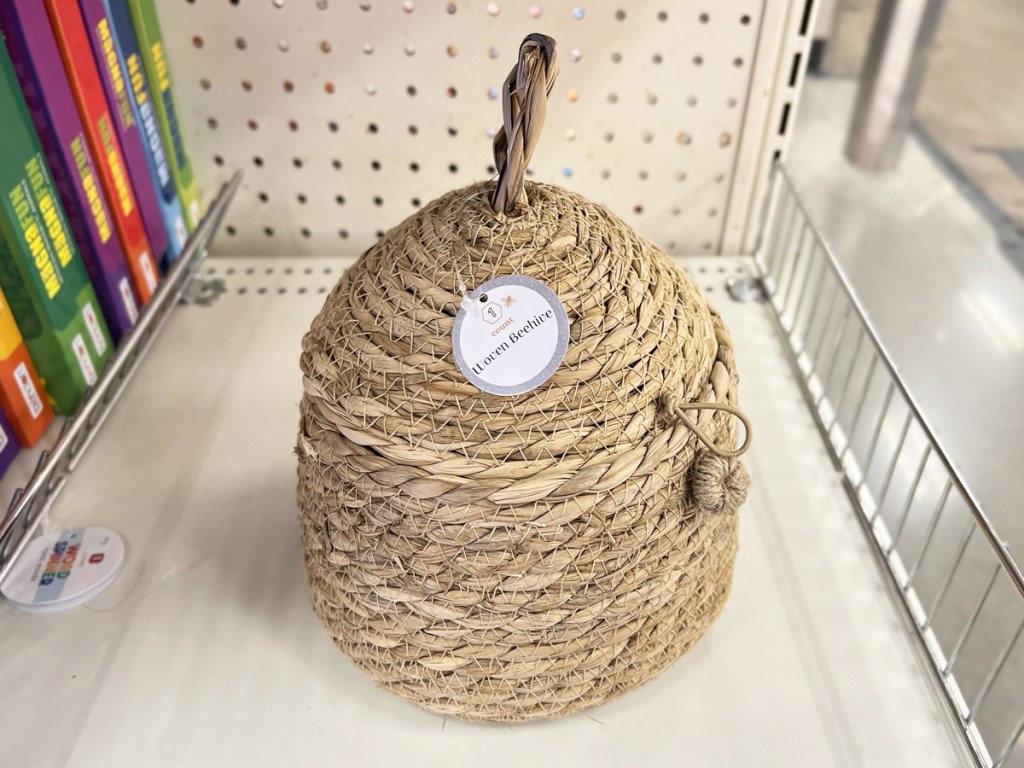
pixel 508 558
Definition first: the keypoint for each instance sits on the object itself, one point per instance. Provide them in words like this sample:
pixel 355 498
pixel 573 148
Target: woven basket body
pixel 506 558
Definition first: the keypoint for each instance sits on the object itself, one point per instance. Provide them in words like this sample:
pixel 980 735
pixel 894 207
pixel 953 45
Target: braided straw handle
pixel 524 105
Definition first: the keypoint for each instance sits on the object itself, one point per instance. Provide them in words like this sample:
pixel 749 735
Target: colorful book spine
pixel 127 47
pixel 151 45
pixel 119 99
pixel 21 394
pixel 8 445
pixel 40 72
pixel 84 77
pixel 41 271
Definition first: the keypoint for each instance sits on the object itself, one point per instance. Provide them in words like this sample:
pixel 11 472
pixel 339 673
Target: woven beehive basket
pixel 507 558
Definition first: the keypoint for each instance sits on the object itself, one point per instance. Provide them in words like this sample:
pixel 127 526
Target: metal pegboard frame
pixel 961 591
pixel 78 431
pixel 349 115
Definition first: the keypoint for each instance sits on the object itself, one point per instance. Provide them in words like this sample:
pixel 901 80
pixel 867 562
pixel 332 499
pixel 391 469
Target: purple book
pixel 37 62
pixel 8 445
pixel 116 86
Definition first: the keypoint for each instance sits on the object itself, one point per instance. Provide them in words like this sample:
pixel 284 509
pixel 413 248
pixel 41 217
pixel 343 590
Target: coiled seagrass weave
pixel 508 558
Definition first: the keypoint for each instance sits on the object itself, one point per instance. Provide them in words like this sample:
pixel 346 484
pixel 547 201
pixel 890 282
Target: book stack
pixel 96 193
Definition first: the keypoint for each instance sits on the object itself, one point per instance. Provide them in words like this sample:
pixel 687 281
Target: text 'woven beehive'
pixel 511 557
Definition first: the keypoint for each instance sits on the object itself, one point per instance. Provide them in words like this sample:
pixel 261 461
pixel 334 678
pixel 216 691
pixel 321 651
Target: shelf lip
pixel 58 462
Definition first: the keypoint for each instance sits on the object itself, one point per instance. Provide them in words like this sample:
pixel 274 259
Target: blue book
pixel 127 46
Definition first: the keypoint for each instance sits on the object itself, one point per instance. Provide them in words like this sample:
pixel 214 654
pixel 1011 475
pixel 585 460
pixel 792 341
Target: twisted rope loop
pixel 524 104
pixel 678 409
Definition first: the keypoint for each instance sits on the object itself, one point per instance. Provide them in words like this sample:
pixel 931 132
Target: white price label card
pixel 510 335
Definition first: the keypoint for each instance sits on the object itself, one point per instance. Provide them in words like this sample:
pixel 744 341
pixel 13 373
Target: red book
pixel 101 134
pixel 21 395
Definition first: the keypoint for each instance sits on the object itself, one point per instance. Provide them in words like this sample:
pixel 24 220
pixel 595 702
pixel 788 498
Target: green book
pixel 158 72
pixel 41 270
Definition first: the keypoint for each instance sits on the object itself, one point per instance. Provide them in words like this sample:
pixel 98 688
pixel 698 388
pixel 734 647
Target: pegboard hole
pixel 744 19
pixel 378 201
pixel 204 84
pixel 364 6
pixel 230 230
pixel 257 161
pixel 613 98
pixel 413 130
pixel 704 18
pixel 452 131
pixel 414 167
pixel 263 197
pixel 375 164
pixel 218 160
pixel 616 57
pixel 662 16
pixel 609 136
pixel 372 128
pixel 343 234
pixel 325 46
pixel 337 164
pixel 212 123
pixel 737 62
pixel 297 162
pixel 642 175
pixel 691 101
pixel 638 209
pixel 656 58
pixel 339 199
pixel 268 231
pixel 698 60
pixel 411 90
pixel 453 168
pixel 415 202
pixel 301 198
pixel 305 232
pixel 332 126
pixel 379 233
pixel 620 15
pixel 240 43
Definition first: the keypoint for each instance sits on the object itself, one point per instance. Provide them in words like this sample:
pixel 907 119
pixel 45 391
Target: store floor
pixel 947 301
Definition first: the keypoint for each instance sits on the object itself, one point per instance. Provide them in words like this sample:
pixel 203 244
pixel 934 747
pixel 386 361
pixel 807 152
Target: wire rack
pixel 961 591
pixel 78 431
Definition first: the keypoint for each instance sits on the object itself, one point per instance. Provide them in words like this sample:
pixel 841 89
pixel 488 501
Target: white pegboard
pixel 346 116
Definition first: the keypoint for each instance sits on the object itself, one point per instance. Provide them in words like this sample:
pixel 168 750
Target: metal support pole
pixel 891 80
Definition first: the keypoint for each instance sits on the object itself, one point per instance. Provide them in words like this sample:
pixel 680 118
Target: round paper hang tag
pixel 511 335
pixel 64 569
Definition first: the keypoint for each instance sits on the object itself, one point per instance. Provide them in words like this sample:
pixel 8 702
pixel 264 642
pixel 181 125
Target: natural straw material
pixel 508 558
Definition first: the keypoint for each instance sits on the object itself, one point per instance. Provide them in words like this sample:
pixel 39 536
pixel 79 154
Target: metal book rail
pixel 956 582
pixel 54 466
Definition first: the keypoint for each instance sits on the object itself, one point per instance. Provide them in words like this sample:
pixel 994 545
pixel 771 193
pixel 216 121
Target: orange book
pixel 21 395
pixel 84 78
